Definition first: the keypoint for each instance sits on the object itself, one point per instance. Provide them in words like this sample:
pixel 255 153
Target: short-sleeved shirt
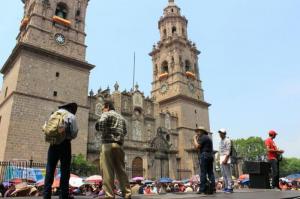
pixel 205 143
pixel 271 145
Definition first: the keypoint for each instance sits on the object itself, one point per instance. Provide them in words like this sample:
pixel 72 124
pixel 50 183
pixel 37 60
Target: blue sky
pixel 249 63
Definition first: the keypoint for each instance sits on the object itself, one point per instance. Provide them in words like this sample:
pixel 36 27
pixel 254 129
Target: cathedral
pixel 48 67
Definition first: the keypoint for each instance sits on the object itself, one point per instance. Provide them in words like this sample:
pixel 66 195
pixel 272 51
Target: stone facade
pixel 161 129
pixel 47 68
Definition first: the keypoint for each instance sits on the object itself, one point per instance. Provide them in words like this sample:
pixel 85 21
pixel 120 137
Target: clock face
pixel 191 87
pixel 60 38
pixel 164 88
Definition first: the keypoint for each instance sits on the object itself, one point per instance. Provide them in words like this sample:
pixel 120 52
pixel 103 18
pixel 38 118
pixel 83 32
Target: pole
pixel 133 79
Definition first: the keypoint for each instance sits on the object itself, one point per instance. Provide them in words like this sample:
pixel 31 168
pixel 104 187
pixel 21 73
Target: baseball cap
pixel 272 132
pixel 222 131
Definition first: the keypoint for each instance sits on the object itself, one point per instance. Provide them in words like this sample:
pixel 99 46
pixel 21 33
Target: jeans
pixel 206 170
pixel 58 152
pixel 275 173
pixel 226 173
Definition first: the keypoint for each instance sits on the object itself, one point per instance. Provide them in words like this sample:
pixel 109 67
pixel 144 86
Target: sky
pixel 249 62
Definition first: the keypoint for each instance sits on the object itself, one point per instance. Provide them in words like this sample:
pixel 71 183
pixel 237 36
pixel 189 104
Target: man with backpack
pixel 225 160
pixel 59 130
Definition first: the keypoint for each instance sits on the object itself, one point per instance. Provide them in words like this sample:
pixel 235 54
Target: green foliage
pixel 289 166
pixel 80 166
pixel 250 149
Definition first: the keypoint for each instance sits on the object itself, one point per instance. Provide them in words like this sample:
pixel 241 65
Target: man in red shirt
pixel 272 154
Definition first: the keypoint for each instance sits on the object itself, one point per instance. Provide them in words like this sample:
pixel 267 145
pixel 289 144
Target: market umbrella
pixel 165 180
pixel 293 176
pixel 244 176
pixel 138 178
pixel 147 181
pixel 75 182
pixel 94 179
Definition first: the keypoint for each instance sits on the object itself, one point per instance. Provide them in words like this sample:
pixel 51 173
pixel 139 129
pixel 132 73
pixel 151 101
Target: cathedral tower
pixel 176 85
pixel 46 68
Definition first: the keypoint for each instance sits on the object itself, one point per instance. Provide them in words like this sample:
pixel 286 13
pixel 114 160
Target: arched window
pixel 164 67
pixel 188 66
pixel 137 167
pixel 173 29
pixel 61 10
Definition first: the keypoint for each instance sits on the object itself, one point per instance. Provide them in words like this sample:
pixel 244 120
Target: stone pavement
pixel 239 194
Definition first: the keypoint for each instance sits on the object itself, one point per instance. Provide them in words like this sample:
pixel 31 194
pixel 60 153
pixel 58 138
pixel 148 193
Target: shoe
pixel 201 193
pixel 228 191
pixel 225 189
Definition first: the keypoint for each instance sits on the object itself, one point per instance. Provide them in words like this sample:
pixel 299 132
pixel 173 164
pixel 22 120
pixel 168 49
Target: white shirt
pixel 224 149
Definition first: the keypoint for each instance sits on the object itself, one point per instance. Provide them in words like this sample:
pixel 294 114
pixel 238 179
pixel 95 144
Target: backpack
pixel 54 128
pixel 233 153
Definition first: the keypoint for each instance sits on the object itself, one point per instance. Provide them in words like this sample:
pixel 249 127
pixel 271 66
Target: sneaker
pixel 225 189
pixel 228 191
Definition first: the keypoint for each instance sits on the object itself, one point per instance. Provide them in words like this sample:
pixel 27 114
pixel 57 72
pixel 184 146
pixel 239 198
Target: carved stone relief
pixel 168 121
pixel 137 130
pixel 137 100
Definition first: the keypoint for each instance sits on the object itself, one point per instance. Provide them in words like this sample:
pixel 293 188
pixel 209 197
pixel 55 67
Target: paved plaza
pixel 239 194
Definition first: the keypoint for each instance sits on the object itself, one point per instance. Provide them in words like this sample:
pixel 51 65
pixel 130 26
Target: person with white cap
pixel 224 150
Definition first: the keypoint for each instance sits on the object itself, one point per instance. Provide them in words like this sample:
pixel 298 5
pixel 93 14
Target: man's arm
pixel 270 146
pixel 100 125
pixel 195 142
pixel 228 148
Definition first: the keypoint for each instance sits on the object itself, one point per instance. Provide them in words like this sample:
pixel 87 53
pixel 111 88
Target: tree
pixel 80 166
pixel 250 149
pixel 289 166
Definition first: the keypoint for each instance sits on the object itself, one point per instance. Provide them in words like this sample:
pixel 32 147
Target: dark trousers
pixel 62 153
pixel 206 171
pixel 275 172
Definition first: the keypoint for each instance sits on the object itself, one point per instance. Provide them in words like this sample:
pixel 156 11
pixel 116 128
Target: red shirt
pixel 271 145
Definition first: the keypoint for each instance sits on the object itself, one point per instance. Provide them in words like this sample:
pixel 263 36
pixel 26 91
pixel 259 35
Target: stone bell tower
pixel 46 68
pixel 176 85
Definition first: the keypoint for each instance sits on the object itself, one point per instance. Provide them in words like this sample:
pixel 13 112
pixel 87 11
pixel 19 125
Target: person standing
pixel 224 150
pixel 273 154
pixel 62 152
pixel 204 144
pixel 113 130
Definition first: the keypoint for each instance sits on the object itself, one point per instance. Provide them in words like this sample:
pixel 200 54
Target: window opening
pixel 164 67
pixel 61 10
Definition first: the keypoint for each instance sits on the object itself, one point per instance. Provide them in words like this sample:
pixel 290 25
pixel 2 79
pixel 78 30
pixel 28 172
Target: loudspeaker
pixel 259 181
pixel 256 167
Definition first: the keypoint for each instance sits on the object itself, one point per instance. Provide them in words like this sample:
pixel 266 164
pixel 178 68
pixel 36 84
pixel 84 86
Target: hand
pixel 225 161
pixel 280 151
